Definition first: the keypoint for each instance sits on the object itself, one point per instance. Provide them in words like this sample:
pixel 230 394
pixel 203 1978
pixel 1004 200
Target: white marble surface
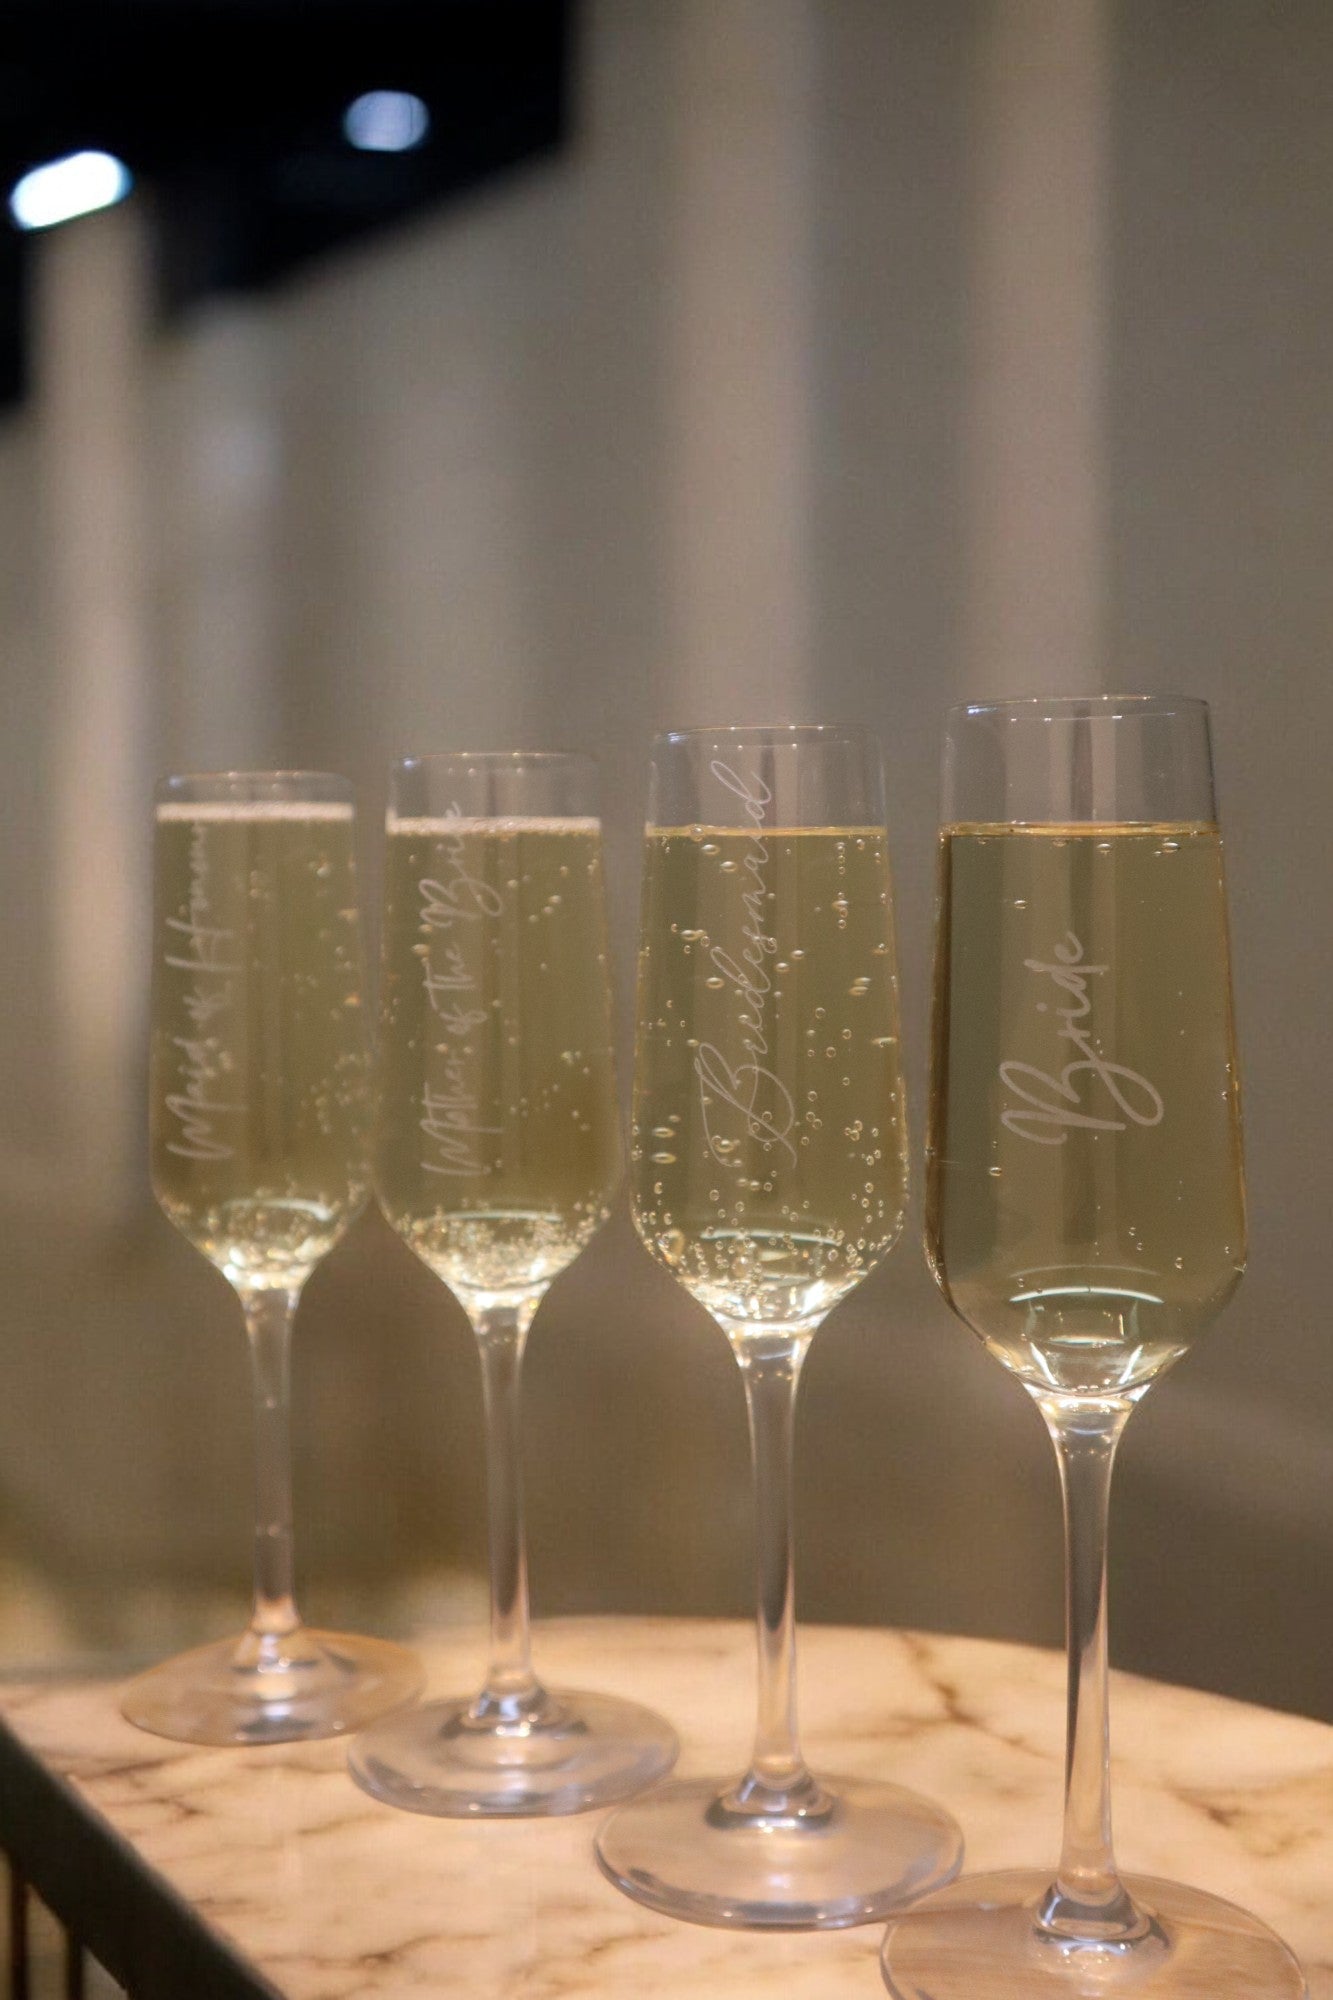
pixel 335 1897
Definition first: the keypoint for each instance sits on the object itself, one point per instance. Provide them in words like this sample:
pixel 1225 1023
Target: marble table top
pixel 267 1872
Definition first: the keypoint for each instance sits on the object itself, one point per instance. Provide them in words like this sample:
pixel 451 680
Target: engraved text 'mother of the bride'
pixel 499 1150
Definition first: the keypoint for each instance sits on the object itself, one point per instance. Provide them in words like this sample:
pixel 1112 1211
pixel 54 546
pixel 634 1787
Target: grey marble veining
pixel 333 1896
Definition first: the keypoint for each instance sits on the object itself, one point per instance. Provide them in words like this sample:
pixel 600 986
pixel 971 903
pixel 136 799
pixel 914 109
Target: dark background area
pixel 229 115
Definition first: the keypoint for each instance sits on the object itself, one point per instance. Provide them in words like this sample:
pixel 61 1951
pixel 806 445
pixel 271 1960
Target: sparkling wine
pixel 260 1084
pixel 768 1161
pixel 499 1150
pixel 1085 1201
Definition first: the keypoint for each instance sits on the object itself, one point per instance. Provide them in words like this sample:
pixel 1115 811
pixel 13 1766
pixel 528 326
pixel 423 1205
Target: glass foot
pixel 868 1849
pixel 317 1684
pixel 979 1940
pixel 577 1751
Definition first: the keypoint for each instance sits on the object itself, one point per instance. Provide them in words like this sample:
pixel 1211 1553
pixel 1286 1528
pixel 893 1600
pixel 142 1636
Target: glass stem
pixel 512 1692
pixel 777 1781
pixel 274 1618
pixel 1087 1901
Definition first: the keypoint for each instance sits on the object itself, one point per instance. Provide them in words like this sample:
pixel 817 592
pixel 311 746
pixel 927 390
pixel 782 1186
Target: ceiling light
pixel 386 121
pixel 62 189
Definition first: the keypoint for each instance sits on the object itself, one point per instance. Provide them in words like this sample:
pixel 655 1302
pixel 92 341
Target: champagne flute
pixel 499 1155
pixel 769 1177
pixel 1086 1218
pixel 259 1096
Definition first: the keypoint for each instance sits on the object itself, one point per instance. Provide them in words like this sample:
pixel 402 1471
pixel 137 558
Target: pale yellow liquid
pixel 499 1147
pixel 1086 1255
pixel 768 1162
pixel 259 1075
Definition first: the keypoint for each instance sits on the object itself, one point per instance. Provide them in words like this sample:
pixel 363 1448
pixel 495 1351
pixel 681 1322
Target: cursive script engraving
pixel 1054 1104
pixel 205 952
pixel 450 1102
pixel 748 1091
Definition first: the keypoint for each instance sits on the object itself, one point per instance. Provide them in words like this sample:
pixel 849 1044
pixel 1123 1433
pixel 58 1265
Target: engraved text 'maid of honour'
pixel 259 1098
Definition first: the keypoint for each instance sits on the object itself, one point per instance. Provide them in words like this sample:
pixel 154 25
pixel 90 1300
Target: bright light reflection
pixel 1084 1292
pixel 386 121
pixel 62 189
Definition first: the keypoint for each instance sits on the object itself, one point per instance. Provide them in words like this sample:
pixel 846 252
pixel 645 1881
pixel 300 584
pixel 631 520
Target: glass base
pixel 979 1941
pixel 869 1849
pixel 316 1684
pixel 575 1752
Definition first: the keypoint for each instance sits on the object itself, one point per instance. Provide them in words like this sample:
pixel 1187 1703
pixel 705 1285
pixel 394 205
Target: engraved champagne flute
pixel 498 1158
pixel 769 1175
pixel 1086 1218
pixel 259 1101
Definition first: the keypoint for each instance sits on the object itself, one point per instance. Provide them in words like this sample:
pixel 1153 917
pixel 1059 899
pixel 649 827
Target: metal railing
pixel 44 1960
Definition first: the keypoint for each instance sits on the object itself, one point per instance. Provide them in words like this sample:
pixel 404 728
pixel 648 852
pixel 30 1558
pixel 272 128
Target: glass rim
pixel 1061 707
pixel 255 777
pixel 834 732
pixel 513 758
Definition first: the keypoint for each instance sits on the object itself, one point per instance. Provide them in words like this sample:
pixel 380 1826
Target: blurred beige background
pixel 857 356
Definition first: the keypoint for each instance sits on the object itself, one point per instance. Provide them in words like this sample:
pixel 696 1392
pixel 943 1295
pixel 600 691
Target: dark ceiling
pixel 229 112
